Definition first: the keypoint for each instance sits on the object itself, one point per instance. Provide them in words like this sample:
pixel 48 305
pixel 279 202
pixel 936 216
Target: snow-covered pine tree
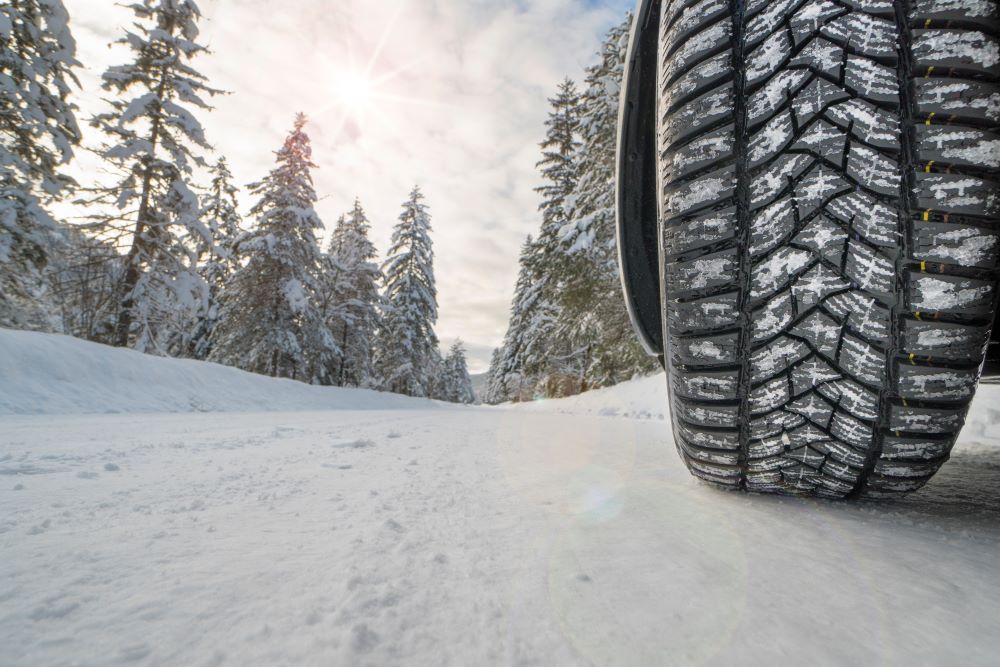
pixel 534 359
pixel 494 392
pixel 511 381
pixel 407 342
pixel 217 255
pixel 592 319
pixel 269 322
pixel 456 383
pixel 153 143
pixel 37 132
pixel 353 299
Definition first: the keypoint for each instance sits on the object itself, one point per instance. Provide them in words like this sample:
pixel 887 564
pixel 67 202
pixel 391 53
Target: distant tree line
pixel 164 262
pixel 569 330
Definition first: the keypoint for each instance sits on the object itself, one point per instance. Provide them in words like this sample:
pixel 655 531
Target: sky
pixel 447 94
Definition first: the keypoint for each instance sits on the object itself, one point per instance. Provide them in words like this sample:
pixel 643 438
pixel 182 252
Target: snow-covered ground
pixel 323 527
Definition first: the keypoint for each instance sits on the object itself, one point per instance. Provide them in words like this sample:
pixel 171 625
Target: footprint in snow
pixel 84 474
pixel 111 467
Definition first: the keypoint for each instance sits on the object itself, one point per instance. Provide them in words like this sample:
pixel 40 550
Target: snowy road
pixel 466 537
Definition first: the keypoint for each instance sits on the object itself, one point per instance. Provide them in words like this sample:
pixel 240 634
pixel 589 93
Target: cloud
pixel 460 101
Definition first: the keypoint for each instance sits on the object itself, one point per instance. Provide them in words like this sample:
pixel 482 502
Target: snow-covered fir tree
pixel 153 143
pixel 352 298
pixel 217 254
pixel 522 337
pixel 532 357
pixel 455 381
pixel 593 320
pixel 569 329
pixel 407 343
pixel 494 392
pixel 269 321
pixel 38 130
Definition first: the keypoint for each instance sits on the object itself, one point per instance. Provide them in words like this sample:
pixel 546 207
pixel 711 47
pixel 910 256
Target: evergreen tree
pixel 543 358
pixel 269 322
pixel 523 338
pixel 456 383
pixel 353 299
pixel 37 132
pixel 495 392
pixel 407 342
pixel 593 320
pixel 153 143
pixel 217 254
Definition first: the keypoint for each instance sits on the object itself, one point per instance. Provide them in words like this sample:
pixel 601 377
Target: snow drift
pixel 53 374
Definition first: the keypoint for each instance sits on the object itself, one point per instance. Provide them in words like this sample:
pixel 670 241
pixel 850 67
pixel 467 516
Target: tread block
pixel 711 312
pixel 965 146
pixel 955 10
pixel 700 231
pixel 875 126
pixel 914 449
pixel 870 35
pixel 773 317
pixel 954 342
pixel 862 313
pixel 774 424
pixel 727 441
pixel 816 285
pixel 925 383
pixel 706 385
pixel 821 55
pixel 958 193
pixel 823 333
pixel 701 350
pixel 707 272
pixel 776 356
pixel 873 170
pixel 774 94
pixel 873 272
pixel 870 218
pixel 769 274
pixel 692 20
pixel 771 225
pixel 961 245
pixel 864 362
pixel 969 50
pixel 910 419
pixel 872 80
pixel 698 194
pixel 717 416
pixel 954 99
pixel 695 116
pixel 853 397
pixel 950 294
pixel 811 374
pixel 698 154
pixel 767 58
pixel 695 48
pixel 699 79
pixel 769 396
pixel 824 237
pixel 771 139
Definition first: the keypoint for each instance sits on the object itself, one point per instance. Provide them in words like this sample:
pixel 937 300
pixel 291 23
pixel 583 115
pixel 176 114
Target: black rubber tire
pixel 830 226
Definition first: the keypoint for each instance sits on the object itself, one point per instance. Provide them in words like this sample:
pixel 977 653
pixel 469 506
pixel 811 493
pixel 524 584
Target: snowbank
pixel 52 374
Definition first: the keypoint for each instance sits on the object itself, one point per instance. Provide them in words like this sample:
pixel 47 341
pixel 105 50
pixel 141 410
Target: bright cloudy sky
pixel 459 99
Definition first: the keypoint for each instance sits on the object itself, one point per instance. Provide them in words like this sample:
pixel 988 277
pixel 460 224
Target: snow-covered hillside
pixel 291 527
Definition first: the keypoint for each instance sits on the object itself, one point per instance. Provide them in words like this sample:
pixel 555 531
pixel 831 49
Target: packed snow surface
pixel 289 526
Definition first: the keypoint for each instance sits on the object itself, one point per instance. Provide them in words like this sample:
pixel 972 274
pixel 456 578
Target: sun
pixel 355 91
